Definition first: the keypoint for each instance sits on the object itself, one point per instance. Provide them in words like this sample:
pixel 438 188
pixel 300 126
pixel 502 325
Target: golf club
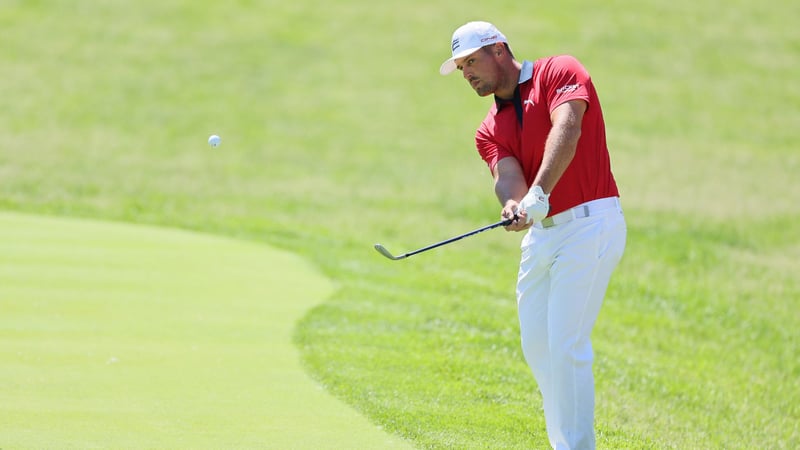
pixel 383 251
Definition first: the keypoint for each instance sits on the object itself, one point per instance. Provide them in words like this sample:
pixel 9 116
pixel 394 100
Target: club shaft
pixel 459 237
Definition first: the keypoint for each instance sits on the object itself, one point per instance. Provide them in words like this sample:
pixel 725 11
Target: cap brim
pixel 449 66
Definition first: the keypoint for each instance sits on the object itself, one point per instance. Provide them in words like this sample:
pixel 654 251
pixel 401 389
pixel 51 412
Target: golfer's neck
pixel 510 82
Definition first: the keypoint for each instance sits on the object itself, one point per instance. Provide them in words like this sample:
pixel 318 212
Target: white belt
pixel 583 210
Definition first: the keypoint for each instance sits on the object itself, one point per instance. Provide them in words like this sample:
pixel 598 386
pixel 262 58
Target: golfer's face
pixel 480 71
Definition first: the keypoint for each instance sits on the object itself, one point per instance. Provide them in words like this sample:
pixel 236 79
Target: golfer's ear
pixel 499 49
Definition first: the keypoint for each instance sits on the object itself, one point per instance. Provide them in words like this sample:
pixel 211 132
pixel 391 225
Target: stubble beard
pixel 484 88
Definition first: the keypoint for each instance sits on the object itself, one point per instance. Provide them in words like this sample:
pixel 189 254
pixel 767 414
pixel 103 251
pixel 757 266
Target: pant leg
pixel 582 255
pixel 533 292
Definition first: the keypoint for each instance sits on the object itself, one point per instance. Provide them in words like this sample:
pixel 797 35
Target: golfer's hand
pixel 510 212
pixel 534 206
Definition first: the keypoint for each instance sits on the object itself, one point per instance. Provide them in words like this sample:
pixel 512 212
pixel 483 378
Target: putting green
pixel 123 336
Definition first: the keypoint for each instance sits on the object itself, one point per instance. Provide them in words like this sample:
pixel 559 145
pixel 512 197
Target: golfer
pixel 544 141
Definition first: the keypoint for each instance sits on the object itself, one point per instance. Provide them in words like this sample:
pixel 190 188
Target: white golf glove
pixel 536 204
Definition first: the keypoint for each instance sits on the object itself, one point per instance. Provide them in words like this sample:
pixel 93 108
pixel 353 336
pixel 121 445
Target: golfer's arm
pixel 559 149
pixel 509 181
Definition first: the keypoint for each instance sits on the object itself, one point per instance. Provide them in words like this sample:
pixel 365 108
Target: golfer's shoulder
pixel 559 62
pixel 558 68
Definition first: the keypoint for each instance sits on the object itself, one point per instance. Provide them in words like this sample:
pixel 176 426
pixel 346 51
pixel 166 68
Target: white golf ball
pixel 214 140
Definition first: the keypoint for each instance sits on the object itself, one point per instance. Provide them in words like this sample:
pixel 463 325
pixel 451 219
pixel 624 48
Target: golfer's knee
pixel 535 352
pixel 572 352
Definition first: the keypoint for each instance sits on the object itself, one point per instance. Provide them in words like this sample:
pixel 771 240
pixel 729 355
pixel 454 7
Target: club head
pixel 382 250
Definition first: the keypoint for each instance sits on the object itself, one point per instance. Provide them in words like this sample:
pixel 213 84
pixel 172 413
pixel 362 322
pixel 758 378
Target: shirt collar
pixel 525 74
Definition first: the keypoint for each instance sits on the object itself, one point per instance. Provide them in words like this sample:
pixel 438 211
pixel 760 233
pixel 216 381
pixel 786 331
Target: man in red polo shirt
pixel 545 144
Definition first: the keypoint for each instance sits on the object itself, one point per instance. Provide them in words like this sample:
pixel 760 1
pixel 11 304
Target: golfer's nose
pixel 467 74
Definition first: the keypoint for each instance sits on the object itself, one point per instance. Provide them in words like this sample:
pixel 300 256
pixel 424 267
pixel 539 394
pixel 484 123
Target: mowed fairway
pixel 120 336
pixel 337 133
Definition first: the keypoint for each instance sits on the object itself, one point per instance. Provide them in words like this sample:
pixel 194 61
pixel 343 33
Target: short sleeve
pixel 565 79
pixel 491 152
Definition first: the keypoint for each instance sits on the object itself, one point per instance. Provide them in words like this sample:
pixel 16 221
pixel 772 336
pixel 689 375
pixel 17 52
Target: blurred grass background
pixel 338 132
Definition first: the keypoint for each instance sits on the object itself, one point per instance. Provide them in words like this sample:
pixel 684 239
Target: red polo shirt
pixel 520 131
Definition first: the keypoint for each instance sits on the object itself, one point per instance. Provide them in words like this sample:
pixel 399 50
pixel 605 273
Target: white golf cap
pixel 467 39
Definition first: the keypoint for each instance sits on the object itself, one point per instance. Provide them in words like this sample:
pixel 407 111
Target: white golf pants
pixel 564 272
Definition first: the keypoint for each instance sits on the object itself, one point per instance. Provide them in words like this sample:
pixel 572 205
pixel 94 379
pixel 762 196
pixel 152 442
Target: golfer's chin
pixel 482 93
pixel 482 90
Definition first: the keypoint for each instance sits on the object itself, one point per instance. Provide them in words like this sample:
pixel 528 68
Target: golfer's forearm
pixel 509 181
pixel 559 151
pixel 562 141
pixel 510 187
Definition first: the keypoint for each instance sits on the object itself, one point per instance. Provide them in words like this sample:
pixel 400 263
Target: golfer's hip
pixel 587 209
pixel 558 227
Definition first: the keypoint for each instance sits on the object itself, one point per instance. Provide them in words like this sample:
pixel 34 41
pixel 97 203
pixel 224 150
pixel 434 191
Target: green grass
pixel 338 132
pixel 122 336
